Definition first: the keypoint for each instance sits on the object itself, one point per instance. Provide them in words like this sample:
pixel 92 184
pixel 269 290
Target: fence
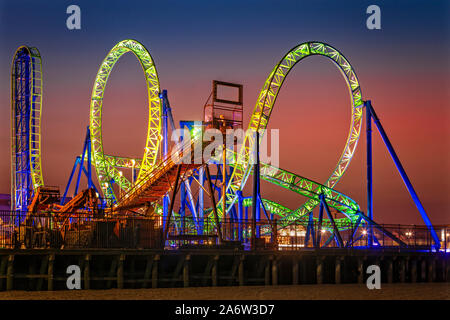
pixel 79 230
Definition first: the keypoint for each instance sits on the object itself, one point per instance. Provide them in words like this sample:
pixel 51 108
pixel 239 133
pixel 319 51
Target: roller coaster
pixel 157 178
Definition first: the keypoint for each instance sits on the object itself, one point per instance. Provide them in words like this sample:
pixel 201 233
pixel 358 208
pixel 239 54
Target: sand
pixel 419 291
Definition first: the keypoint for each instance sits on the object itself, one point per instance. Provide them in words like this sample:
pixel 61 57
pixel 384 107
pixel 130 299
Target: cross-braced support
pixel 370 112
pixel 79 164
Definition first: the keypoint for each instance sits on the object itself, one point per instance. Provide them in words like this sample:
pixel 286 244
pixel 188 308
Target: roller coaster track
pixel 26 110
pixel 264 107
pixel 107 174
pixel 155 178
pixel 156 187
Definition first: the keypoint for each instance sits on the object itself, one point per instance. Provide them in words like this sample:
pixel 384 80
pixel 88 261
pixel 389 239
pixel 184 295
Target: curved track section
pixel 280 210
pixel 265 104
pixel 309 189
pixel 106 173
pixel 26 110
pixel 106 165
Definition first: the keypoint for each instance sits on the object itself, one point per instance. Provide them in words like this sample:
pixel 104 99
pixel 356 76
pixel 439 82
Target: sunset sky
pixel 403 68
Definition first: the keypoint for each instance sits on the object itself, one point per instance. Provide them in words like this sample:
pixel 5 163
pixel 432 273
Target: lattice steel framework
pixel 26 110
pixel 106 172
pixel 265 104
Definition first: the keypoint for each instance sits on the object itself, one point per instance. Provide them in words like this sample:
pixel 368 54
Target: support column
pixel 369 172
pixel 120 271
pixel 319 270
pixel 267 271
pixel 213 202
pixel 294 270
pixel 431 270
pixel 186 263
pixel 86 275
pixel 403 174
pixel 338 271
pixel 413 270
pixel 241 271
pixel 155 271
pixel 361 270
pixel 390 270
pixel 51 259
pixel 447 270
pixel 214 273
pixel 147 272
pixel 423 270
pixel 443 271
pixel 10 273
pixel 303 270
pixel 274 271
pixel 402 273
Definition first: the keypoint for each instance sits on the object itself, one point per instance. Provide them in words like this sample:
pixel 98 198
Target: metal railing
pixel 101 230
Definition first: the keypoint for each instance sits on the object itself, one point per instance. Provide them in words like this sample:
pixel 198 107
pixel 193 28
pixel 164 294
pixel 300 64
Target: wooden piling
pixel 86 271
pixel 120 271
pixel 10 273
pixel 319 270
pixel 51 260
pixel 294 270
pixel 214 271
pixel 274 271
pixel 241 270
pixel 186 271
pixel 155 271
pixel 337 270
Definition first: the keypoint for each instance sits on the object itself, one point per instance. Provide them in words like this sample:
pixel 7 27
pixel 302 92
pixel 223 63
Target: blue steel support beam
pixel 350 241
pixel 23 189
pixel 85 149
pixel 310 230
pixel 163 97
pixel 330 216
pixel 77 161
pixel 313 233
pixel 240 213
pixel 369 173
pixel 255 206
pixel 201 178
pixel 93 185
pixel 80 162
pixel 332 236
pixel 376 225
pixel 403 174
pixel 319 226
pixel 89 169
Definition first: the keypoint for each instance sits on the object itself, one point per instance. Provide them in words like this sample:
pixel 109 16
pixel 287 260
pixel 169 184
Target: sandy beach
pixel 418 291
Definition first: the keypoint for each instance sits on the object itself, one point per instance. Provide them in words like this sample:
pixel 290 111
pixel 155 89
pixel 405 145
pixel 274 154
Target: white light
pixel 364 232
pixel 322 230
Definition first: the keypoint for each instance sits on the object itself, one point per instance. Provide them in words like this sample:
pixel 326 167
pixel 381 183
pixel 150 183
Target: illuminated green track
pixel 107 166
pixel 107 173
pixel 282 211
pixel 261 115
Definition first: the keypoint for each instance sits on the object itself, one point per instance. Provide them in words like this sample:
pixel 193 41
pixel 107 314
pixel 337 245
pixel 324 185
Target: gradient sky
pixel 403 68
